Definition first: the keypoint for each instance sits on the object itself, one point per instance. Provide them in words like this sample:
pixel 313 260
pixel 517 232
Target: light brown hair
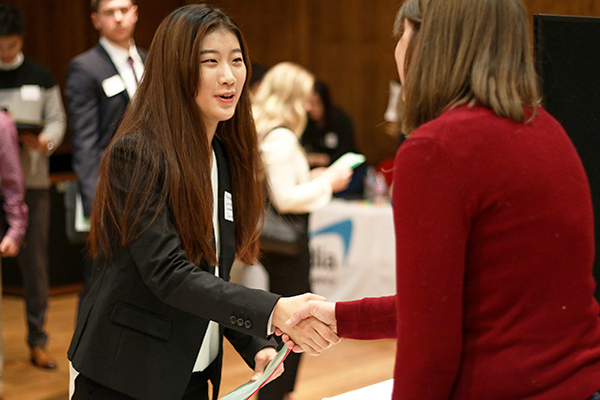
pixel 280 99
pixel 471 51
pixel 170 170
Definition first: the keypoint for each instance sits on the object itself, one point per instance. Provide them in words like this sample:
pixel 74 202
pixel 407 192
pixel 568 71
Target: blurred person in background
pixel 493 221
pixel 30 94
pixel 280 110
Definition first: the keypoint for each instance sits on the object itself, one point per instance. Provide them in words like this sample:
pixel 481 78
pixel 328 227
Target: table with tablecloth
pixel 352 250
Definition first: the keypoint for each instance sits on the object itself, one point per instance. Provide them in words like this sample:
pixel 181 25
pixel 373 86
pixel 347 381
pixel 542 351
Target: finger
pixel 278 331
pixel 327 333
pixel 300 314
pixel 297 349
pixel 306 348
pixel 313 329
pixel 286 339
pixel 276 374
pixel 258 371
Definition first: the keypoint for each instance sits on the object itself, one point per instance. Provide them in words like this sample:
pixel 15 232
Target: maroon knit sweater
pixel 494 252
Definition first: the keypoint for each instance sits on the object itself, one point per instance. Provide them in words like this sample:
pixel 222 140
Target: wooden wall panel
pixel 352 50
pixel 275 30
pixel 347 44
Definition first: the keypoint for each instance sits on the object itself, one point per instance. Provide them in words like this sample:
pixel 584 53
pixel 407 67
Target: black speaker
pixel 567 56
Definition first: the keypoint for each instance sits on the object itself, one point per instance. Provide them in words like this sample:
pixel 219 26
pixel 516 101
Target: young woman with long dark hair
pixel 180 196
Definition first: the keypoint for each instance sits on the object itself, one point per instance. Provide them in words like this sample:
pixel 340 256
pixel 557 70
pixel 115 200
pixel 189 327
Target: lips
pixel 226 96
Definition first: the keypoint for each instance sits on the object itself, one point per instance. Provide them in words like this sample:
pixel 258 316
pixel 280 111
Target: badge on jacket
pixel 228 207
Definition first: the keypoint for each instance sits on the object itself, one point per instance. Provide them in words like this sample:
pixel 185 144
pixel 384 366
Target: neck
pixel 211 130
pixel 122 43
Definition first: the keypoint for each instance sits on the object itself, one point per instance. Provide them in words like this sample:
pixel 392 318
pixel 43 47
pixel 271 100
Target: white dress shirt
pixel 120 58
pixel 210 344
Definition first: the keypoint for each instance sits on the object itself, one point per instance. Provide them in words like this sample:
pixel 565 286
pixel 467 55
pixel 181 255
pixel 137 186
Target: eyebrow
pixel 238 50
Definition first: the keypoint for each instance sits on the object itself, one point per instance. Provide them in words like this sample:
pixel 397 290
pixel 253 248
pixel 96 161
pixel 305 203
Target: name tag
pixel 228 207
pixel 113 86
pixel 31 93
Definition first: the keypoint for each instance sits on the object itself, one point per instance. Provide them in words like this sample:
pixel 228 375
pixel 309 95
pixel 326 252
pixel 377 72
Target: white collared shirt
pixel 120 58
pixel 210 344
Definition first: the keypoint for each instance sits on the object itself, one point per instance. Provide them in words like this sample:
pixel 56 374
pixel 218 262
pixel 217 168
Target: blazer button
pixel 233 319
pixel 248 324
pixel 240 322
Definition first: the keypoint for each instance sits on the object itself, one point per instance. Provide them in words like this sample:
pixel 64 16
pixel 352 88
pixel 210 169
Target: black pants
pixel 87 389
pixel 33 265
pixel 288 276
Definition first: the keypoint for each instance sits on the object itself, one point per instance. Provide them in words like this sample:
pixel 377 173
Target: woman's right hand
pixel 339 177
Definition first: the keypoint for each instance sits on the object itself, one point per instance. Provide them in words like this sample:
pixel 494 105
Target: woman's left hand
pixel 261 360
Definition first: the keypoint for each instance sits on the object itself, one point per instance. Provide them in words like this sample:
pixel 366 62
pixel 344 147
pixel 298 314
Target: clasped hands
pixel 306 323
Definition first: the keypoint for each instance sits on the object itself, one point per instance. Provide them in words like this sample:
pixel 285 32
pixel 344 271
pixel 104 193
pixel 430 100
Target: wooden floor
pixel 347 366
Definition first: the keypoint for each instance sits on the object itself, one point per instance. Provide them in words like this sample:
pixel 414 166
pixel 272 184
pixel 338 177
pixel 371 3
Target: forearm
pixel 54 115
pixel 12 188
pixel 367 319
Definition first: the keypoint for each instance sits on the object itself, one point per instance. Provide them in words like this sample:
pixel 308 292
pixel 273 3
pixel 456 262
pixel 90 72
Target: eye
pixel 209 61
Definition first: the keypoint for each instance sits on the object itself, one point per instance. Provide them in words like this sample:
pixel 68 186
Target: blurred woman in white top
pixel 280 111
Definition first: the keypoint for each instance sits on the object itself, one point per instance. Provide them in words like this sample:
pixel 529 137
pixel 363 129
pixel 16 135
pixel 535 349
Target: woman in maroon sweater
pixel 493 222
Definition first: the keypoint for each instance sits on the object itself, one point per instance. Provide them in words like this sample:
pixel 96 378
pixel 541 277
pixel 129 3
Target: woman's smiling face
pixel 222 77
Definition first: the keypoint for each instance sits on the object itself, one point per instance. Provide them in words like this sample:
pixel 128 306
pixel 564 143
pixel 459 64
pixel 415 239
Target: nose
pixel 227 77
pixel 118 15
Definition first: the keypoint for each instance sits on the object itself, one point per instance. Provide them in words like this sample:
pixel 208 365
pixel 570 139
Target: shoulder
pixel 37 74
pixel 92 60
pixel 143 53
pixel 134 153
pixel 132 143
pixel 467 126
pixel 281 144
pixel 281 135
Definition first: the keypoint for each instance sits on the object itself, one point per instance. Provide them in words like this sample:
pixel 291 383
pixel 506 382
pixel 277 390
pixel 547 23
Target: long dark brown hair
pixel 170 164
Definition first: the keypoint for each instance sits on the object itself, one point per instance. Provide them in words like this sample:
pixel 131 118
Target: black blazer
pixel 142 324
pixel 93 116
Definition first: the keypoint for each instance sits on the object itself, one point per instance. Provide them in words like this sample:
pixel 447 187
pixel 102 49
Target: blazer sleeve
pixel 83 112
pixel 176 281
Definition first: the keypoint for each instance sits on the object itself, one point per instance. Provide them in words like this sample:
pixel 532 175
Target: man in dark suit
pixel 100 83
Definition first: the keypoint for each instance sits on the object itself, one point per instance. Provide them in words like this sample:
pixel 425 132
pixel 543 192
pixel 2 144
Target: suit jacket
pixel 142 324
pixel 93 116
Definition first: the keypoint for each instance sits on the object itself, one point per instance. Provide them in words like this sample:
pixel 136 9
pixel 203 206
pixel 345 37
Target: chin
pixel 227 117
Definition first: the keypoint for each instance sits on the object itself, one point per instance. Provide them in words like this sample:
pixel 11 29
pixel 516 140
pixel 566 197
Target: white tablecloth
pixel 378 391
pixel 352 248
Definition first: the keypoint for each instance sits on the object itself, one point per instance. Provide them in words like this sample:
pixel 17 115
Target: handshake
pixel 306 323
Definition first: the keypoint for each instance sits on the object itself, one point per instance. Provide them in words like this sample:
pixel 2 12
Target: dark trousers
pixel 288 276
pixel 87 389
pixel 33 264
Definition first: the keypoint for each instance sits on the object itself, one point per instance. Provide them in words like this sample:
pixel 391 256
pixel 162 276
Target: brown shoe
pixel 41 358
